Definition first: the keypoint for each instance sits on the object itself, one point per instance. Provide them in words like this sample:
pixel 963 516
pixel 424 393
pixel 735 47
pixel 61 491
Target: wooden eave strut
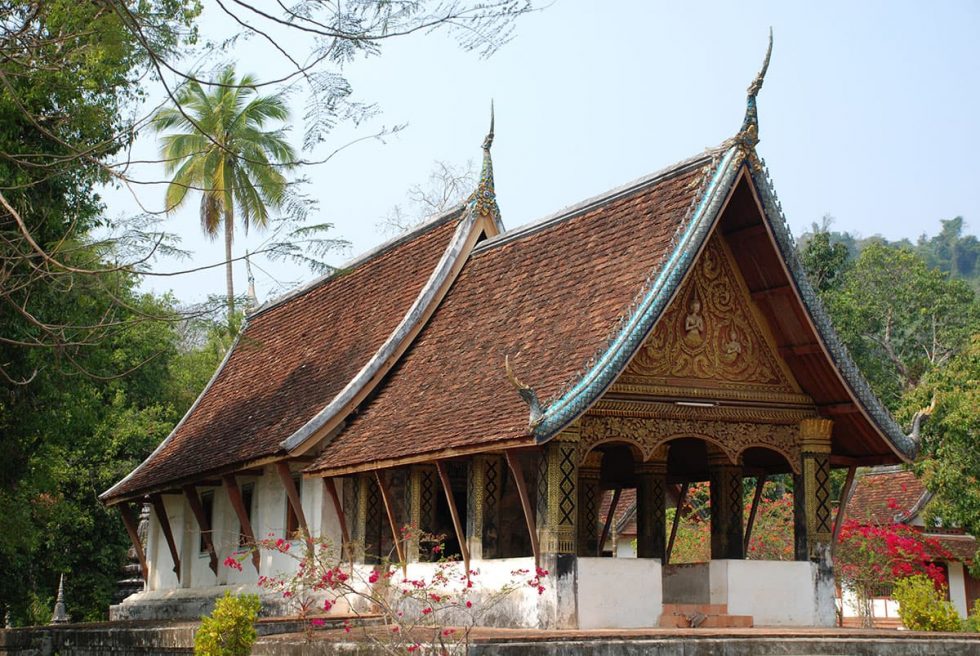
pixel 160 510
pixel 457 526
pixel 518 474
pixel 235 497
pixel 286 476
pixel 194 502
pixel 129 520
pixel 345 547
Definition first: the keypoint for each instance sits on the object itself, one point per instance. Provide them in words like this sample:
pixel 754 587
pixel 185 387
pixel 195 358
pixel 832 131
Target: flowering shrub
pixel 972 623
pixel 772 532
pixel 871 558
pixel 428 608
pixel 923 607
pixel 230 629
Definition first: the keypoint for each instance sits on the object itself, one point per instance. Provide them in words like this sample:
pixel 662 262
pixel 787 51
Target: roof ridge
pixel 404 237
pixel 571 211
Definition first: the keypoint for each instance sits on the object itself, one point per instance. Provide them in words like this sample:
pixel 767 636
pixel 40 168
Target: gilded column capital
pixel 815 434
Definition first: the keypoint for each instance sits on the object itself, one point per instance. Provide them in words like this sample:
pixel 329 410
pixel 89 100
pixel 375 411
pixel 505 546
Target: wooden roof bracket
pixel 197 509
pixel 160 510
pixel 395 536
pixel 518 474
pixel 457 526
pixel 681 498
pixel 609 519
pixel 845 497
pixel 235 497
pixel 129 520
pixel 292 494
pixel 760 482
pixel 346 552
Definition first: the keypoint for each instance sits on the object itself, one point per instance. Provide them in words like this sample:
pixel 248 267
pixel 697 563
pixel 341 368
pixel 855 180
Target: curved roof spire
pixel 749 134
pixel 484 199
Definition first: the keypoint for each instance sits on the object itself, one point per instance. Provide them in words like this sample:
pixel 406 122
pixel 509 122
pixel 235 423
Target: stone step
pixel 707 616
pixel 690 609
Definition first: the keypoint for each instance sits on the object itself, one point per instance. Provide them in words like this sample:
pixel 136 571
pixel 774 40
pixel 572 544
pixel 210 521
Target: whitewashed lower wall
pixel 957 588
pixel 619 593
pixel 774 593
pixel 268 520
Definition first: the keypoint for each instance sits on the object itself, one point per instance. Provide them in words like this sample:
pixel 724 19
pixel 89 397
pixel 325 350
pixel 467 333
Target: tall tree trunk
pixel 229 278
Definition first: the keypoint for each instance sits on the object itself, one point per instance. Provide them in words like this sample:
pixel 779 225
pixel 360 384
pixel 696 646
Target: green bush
pixel 922 607
pixel 972 623
pixel 230 629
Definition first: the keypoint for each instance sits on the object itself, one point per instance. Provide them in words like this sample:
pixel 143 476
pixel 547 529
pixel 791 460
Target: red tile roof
pixel 549 296
pixel 292 359
pixel 885 496
pixel 625 506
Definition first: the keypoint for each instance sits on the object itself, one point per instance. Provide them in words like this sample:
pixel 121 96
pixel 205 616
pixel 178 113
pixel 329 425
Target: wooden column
pixel 160 511
pixel 132 528
pixel 726 506
pixel 244 523
pixel 558 494
pixel 651 507
pixel 518 473
pixel 203 523
pixel 483 506
pixel 589 499
pixel 815 453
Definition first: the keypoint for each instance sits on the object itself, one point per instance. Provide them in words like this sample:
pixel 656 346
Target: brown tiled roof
pixel 549 296
pixel 625 506
pixel 885 496
pixel 292 359
pixel 961 548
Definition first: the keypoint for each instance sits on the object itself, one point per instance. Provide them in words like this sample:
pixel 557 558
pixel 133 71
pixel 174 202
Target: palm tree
pixel 219 147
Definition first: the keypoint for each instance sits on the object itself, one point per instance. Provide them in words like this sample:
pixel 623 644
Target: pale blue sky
pixel 869 113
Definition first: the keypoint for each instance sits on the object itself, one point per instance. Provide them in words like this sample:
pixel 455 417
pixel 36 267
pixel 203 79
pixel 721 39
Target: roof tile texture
pixel 292 360
pixel 549 298
pixel 881 496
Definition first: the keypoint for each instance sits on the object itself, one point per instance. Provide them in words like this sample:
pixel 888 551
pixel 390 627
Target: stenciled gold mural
pixel 711 339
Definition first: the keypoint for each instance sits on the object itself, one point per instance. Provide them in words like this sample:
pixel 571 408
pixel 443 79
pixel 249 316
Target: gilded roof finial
pixel 484 199
pixel 749 134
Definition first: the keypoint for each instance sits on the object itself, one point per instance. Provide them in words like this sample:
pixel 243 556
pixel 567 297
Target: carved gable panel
pixel 710 338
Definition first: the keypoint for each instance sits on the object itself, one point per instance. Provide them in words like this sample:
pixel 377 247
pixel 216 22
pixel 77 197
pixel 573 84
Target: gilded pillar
pixel 651 506
pixel 589 498
pixel 815 453
pixel 558 493
pixel 726 506
pixel 483 506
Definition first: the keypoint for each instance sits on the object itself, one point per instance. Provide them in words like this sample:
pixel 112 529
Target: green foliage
pixel 218 143
pixel 922 607
pixel 230 629
pixel 972 623
pixel 900 319
pixel 952 466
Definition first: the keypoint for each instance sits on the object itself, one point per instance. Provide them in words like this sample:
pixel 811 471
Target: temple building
pixel 885 496
pixel 493 384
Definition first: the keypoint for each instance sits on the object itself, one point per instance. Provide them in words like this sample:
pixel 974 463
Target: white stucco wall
pixel 619 593
pixel 268 520
pixel 957 588
pixel 774 593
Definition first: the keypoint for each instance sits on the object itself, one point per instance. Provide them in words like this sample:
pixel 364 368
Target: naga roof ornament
pixel 748 136
pixel 484 200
